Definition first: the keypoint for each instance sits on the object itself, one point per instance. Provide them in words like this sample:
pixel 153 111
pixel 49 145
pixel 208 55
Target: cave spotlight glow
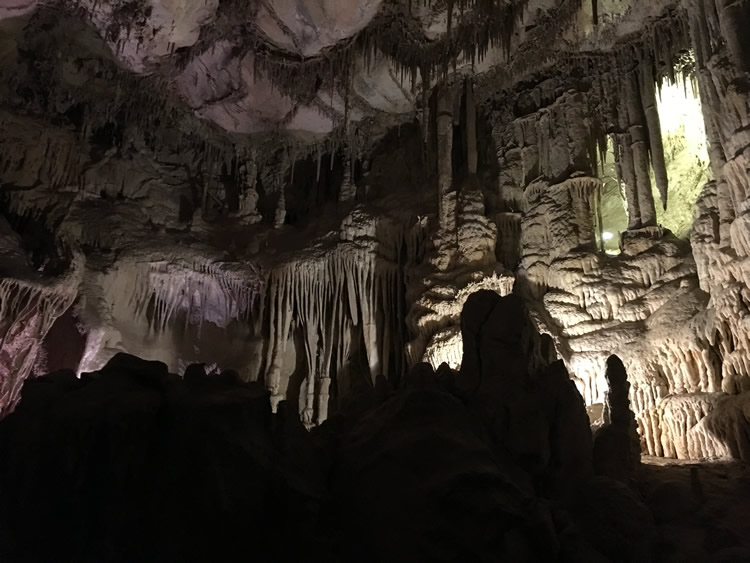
pixel 680 114
pixel 686 150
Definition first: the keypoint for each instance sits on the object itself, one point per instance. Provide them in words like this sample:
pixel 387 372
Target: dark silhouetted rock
pixel 420 376
pixel 417 483
pixel 131 465
pixel 490 464
pixel 195 374
pixel 617 450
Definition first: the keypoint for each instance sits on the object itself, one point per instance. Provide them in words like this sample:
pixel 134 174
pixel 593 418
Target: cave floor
pixel 701 508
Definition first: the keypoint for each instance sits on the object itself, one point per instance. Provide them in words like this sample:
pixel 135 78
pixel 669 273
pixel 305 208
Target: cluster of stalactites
pixel 620 92
pixel 482 25
pixel 27 312
pixel 352 296
pixel 201 291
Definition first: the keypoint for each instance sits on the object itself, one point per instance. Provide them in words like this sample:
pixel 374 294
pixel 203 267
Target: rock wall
pixel 648 304
pixel 720 233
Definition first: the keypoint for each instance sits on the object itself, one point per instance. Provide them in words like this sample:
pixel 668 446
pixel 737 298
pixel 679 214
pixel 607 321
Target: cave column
pixel 624 159
pixel 471 129
pixel 639 151
pixel 722 56
pixel 653 126
pixel 447 197
pixel 348 189
pixel 632 148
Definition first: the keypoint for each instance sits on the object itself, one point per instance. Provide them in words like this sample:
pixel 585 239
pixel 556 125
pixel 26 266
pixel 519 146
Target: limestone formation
pixel 308 193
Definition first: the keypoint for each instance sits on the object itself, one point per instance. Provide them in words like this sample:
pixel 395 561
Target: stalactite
pixel 171 287
pixel 27 311
pixel 358 284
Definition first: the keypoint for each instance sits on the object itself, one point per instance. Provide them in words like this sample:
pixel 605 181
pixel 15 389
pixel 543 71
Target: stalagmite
pixel 616 445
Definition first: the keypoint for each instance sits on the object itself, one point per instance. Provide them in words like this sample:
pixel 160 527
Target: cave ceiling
pixel 296 69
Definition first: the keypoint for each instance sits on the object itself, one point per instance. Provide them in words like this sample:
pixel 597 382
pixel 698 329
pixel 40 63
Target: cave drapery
pixel 308 193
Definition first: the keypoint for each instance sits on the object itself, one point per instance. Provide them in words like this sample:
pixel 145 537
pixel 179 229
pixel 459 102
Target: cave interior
pixel 374 280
